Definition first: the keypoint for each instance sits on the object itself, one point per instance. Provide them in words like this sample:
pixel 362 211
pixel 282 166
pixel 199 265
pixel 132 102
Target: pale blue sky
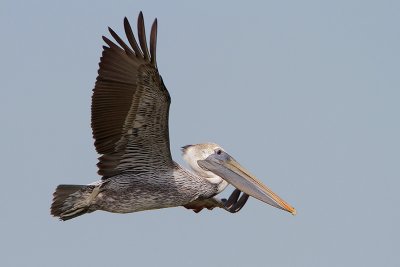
pixel 305 94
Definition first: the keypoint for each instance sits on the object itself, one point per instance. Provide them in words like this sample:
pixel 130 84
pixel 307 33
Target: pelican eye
pixel 218 151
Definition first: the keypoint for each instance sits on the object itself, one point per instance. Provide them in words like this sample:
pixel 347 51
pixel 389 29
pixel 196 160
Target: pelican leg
pixel 209 203
pixel 234 203
pixel 233 198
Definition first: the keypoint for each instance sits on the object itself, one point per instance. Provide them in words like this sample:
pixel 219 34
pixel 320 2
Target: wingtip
pixel 106 40
pixel 126 21
pixel 111 31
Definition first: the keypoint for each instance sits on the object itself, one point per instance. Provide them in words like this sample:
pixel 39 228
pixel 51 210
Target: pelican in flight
pixel 130 106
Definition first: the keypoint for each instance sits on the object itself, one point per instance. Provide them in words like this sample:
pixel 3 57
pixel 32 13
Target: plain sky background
pixel 305 94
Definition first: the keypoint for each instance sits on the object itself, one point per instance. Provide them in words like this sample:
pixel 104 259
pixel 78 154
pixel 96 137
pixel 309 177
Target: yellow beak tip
pixel 294 212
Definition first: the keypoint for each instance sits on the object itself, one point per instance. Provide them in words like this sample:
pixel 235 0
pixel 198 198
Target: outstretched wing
pixel 130 106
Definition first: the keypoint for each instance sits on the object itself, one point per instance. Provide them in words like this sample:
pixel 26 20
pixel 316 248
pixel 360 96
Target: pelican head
pixel 192 154
pixel 213 163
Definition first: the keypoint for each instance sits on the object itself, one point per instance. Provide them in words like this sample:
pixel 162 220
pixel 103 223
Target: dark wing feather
pixel 142 36
pixel 131 37
pixel 153 43
pixel 130 106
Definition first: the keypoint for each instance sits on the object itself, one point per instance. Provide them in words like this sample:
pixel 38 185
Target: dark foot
pixel 234 203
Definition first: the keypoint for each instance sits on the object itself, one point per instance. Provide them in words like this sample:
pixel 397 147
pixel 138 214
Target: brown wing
pixel 130 106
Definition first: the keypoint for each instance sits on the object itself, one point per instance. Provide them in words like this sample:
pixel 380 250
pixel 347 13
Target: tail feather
pixel 71 201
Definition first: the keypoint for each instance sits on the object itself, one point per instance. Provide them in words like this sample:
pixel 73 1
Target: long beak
pixel 232 172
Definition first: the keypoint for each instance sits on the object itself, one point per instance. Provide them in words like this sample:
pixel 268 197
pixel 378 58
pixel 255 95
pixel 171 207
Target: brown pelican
pixel 130 106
